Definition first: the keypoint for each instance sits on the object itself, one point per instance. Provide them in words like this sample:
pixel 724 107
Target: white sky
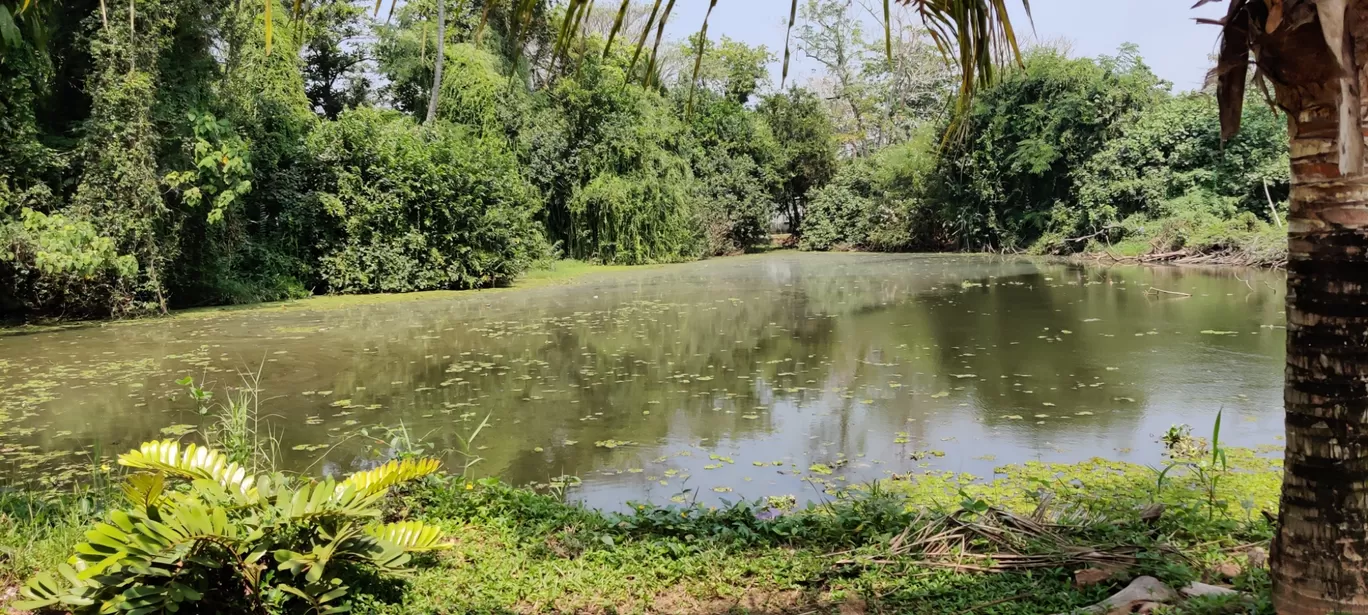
pixel 1177 48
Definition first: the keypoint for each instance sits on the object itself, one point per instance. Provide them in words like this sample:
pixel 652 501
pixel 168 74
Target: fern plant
pixel 199 533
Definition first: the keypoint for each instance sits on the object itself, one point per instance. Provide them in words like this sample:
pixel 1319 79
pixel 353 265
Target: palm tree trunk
pixel 1320 554
pixel 437 70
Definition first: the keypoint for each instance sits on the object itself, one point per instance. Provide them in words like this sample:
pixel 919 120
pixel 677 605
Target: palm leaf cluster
pixel 196 527
pixel 976 35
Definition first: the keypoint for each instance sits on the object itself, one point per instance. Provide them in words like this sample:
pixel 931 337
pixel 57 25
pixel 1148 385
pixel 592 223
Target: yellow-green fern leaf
pixel 192 461
pixel 144 490
pixel 409 535
pixel 389 475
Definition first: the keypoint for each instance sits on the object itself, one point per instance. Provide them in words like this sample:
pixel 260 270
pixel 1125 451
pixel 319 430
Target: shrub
pixel 420 209
pixel 56 264
pixel 875 203
pixel 634 220
pixel 837 217
pixel 199 532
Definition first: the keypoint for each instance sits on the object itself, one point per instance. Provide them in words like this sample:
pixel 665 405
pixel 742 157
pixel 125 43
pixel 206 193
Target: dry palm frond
pixel 698 61
pixel 998 540
pixel 977 34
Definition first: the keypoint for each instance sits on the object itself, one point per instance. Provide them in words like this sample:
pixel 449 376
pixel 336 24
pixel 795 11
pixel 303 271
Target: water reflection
pixel 745 376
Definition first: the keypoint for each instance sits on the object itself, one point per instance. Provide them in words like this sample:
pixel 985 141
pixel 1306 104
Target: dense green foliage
pixel 188 165
pixel 171 159
pixel 409 208
pixel 1065 155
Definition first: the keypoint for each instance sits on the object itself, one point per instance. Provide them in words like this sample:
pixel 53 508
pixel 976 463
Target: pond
pixel 751 376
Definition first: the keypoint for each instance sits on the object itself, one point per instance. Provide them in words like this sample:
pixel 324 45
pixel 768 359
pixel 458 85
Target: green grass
pixel 515 551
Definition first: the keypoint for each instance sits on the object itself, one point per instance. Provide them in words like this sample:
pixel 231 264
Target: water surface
pixel 735 377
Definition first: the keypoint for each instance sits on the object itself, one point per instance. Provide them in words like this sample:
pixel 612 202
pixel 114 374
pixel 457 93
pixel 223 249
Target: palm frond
pixel 788 36
pixel 144 491
pixel 655 49
pixel 390 474
pixel 409 535
pixel 563 36
pixel 698 61
pixel 971 32
pixel 484 19
pixel 192 462
pixel 645 33
pixel 617 25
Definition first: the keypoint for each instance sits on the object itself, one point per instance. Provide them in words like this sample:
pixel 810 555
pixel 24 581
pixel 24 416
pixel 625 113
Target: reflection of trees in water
pixel 817 336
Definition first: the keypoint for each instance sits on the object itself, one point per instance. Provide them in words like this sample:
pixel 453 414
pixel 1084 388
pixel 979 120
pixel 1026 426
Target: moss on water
pixel 516 551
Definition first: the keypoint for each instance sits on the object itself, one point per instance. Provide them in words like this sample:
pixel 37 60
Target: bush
pixel 876 203
pixel 198 531
pixel 837 218
pixel 635 219
pixel 55 264
pixel 420 209
pixel 736 207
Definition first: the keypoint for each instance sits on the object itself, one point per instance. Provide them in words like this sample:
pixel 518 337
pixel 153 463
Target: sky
pixel 1171 43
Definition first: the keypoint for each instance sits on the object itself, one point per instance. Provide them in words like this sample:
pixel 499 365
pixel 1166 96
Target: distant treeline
pixel 168 158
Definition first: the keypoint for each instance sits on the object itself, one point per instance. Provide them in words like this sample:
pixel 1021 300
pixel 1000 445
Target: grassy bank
pixel 861 550
pixel 553 273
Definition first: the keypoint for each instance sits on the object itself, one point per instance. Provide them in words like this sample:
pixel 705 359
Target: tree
pixel 731 69
pixel 1308 51
pixel 806 157
pixel 831 35
pixel 334 62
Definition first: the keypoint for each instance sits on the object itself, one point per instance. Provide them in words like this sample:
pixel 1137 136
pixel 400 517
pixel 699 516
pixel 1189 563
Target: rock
pixel 1141 590
pixel 1139 606
pixel 1229 570
pixel 1089 577
pixel 1256 558
pixel 1202 589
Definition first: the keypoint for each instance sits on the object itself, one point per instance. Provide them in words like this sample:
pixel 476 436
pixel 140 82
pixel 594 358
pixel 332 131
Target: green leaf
pixel 390 474
pixel 409 535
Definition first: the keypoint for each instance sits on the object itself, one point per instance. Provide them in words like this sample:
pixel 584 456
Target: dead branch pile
pixel 1237 258
pixel 1000 541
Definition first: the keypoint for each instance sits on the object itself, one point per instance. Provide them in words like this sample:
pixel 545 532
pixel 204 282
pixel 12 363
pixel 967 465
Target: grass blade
pixel 1216 437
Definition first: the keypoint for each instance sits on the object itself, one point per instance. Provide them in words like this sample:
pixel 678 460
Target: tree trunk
pixel 1320 554
pixel 437 70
